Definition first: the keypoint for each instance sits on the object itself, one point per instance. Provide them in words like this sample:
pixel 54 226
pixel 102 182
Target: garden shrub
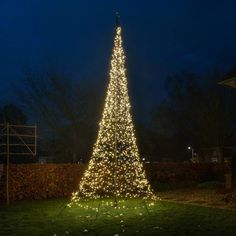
pixel 230 198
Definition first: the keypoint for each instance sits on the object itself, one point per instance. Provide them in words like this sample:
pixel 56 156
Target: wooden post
pixel 228 181
pixel 8 162
pixel 221 160
pixel 35 139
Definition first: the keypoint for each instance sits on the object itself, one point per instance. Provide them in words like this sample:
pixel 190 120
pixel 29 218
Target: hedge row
pixel 175 171
pixel 43 181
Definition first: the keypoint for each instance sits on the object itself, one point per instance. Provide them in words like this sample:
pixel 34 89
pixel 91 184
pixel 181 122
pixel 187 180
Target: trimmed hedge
pixel 176 171
pixel 41 181
pixel 44 181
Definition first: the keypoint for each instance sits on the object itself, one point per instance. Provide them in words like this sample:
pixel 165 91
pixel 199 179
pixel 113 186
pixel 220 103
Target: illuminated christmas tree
pixel 115 168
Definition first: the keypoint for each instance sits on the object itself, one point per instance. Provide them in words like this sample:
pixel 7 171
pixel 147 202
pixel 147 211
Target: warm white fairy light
pixel 115 168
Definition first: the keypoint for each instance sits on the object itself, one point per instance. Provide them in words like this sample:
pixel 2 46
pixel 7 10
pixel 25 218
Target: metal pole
pixel 114 165
pixel 114 172
pixel 35 139
pixel 8 162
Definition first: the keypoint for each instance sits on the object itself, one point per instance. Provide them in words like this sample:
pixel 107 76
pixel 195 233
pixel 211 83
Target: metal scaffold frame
pixel 17 140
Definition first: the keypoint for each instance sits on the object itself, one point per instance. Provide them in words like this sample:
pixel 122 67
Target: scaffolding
pixel 17 140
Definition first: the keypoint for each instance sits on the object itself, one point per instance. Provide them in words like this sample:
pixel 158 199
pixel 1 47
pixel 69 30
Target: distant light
pixel 143 159
pixel 189 148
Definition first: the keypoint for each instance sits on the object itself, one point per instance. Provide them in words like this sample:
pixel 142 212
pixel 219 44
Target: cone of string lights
pixel 115 169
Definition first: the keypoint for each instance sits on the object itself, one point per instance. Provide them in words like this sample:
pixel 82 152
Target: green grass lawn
pixel 164 218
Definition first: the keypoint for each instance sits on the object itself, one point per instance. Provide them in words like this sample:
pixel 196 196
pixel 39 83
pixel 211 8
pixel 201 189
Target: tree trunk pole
pixel 222 161
pixel 8 162
pixel 35 140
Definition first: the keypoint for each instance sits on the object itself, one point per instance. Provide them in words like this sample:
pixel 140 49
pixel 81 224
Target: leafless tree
pixel 67 108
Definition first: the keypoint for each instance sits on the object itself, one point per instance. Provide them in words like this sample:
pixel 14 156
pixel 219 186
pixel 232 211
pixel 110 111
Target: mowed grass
pixel 164 218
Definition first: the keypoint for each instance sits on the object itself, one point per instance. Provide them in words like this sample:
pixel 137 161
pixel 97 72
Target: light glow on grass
pixel 164 218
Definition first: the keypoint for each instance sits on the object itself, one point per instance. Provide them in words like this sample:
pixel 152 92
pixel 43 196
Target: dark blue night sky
pixel 75 38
